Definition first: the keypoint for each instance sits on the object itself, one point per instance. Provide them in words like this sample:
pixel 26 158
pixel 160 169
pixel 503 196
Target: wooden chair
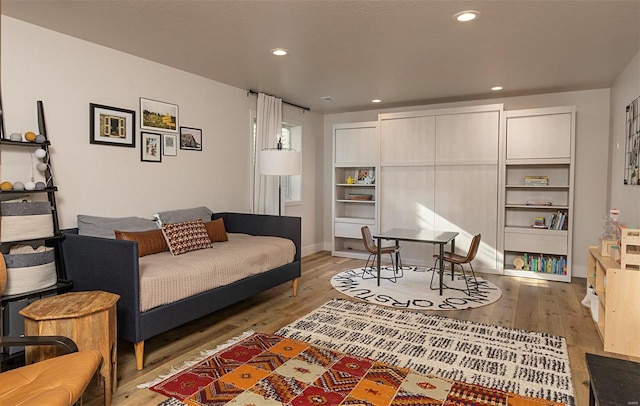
pixel 460 260
pixel 372 249
pixel 58 381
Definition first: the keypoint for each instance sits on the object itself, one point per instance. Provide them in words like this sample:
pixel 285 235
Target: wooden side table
pixel 88 318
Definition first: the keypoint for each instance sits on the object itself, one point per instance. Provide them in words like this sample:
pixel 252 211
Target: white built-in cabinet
pixel 538 143
pixel 460 169
pixel 439 170
pixel 355 147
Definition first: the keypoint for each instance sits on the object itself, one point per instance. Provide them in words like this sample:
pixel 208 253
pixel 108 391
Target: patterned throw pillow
pixel 186 236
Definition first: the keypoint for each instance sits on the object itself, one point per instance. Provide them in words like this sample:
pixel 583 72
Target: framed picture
pixel 169 144
pixel 112 126
pixel 151 147
pixel 157 115
pixel 191 138
pixel 365 176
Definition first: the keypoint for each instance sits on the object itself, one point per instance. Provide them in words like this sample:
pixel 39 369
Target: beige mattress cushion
pixel 165 278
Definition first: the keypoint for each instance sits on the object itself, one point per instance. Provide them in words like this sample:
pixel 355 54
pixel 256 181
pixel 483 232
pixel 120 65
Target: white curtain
pixel 268 131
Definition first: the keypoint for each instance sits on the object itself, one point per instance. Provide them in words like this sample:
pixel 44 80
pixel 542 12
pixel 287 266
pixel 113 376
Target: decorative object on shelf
pixel 112 126
pixel 150 147
pixel 157 115
pixel 169 144
pixel 30 185
pixel 632 144
pixel 351 180
pixel 518 263
pixel 538 203
pixel 281 162
pixel 357 196
pixel 6 186
pixel 15 137
pixel 365 176
pixel 191 138
pixel 30 136
pixel 536 180
pixel 40 153
pixel 40 139
pixel 18 186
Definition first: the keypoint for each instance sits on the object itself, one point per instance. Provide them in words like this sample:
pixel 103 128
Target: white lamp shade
pixel 279 162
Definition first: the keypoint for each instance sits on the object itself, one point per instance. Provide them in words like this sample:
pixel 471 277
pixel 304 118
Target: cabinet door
pixel 466 201
pixel 407 202
pixel 539 136
pixel 407 140
pixel 356 145
pixel 467 137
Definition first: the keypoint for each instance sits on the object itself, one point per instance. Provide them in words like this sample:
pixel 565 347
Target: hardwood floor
pixel 550 307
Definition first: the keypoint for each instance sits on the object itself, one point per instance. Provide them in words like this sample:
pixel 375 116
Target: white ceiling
pixel 403 52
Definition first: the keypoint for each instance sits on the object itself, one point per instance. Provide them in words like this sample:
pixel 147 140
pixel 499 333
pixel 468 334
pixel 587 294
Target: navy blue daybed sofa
pixel 94 263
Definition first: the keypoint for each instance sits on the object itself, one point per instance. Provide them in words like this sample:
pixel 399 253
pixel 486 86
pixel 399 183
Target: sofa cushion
pixel 104 227
pixel 149 242
pixel 178 216
pixel 186 236
pixel 216 230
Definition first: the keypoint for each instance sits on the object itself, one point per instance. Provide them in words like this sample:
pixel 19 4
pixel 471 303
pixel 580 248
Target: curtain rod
pixel 285 102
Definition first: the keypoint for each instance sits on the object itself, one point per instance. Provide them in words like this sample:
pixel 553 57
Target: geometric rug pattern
pixel 269 370
pixel 413 290
pixel 528 363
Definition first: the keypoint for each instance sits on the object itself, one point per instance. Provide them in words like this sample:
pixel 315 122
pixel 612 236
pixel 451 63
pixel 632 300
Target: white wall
pixel 592 138
pixel 67 74
pixel 625 89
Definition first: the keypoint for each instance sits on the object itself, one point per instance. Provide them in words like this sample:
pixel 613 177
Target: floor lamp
pixel 280 162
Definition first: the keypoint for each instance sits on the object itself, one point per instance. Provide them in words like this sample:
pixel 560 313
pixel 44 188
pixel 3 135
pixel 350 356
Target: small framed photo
pixel 169 144
pixel 151 147
pixel 158 116
pixel 112 126
pixel 365 176
pixel 191 138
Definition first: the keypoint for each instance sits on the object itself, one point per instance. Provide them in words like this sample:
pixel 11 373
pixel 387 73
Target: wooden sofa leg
pixel 295 287
pixel 138 348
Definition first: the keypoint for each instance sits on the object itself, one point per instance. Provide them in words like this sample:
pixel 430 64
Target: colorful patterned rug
pixel 412 291
pixel 269 370
pixel 518 361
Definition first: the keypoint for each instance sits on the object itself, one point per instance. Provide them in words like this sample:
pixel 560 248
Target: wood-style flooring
pixel 550 307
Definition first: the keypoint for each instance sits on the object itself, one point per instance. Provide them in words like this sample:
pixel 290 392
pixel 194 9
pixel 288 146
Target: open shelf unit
pixel 537 188
pixel 354 204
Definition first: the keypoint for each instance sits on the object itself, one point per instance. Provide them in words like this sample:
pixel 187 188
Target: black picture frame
pixel 158 116
pixel 112 126
pixel 150 147
pixel 191 138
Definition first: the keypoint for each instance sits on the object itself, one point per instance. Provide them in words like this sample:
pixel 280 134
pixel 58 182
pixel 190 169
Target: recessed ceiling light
pixel 496 88
pixel 376 101
pixel 328 98
pixel 467 15
pixel 279 51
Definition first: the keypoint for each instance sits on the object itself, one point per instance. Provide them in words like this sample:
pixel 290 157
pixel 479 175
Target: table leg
pixel 592 398
pixel 453 251
pixel 397 257
pixel 378 257
pixel 441 266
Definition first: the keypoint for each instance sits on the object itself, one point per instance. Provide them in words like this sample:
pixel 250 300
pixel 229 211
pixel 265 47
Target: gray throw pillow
pixel 178 216
pixel 104 227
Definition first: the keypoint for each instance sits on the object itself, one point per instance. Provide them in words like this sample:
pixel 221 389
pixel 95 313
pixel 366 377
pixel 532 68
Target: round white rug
pixel 412 291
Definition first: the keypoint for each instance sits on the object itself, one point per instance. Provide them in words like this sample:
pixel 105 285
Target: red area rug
pixel 266 369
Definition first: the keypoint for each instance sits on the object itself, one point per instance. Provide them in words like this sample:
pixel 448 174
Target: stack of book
pixel 536 180
pixel 539 222
pixel 559 221
pixel 556 265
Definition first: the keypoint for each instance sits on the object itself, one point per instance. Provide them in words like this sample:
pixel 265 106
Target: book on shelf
pixel 551 264
pixel 539 222
pixel 558 221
